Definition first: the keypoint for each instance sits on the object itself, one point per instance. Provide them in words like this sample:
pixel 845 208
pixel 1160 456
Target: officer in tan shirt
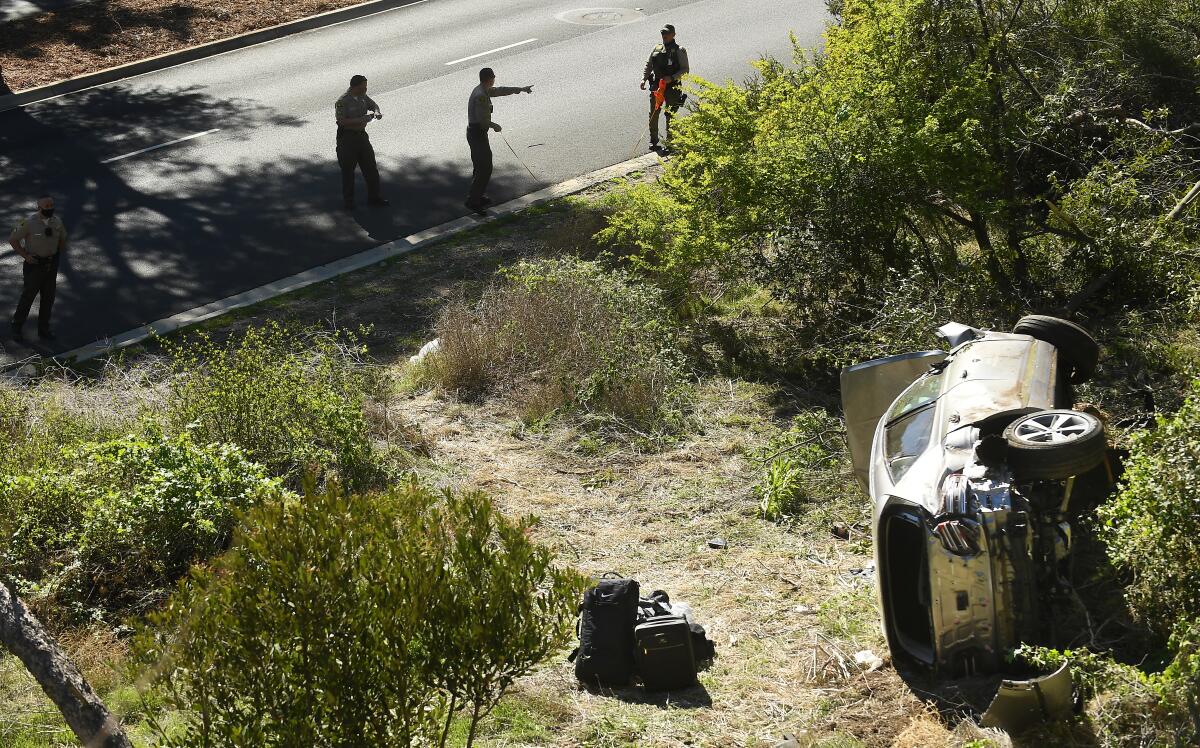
pixel 354 110
pixel 479 123
pixel 40 241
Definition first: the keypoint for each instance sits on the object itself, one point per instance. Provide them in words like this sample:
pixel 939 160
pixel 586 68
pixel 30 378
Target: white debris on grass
pixel 431 347
pixel 867 660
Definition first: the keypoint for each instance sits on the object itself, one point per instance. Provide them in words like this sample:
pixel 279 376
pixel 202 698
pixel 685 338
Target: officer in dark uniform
pixel 668 63
pixel 40 241
pixel 353 111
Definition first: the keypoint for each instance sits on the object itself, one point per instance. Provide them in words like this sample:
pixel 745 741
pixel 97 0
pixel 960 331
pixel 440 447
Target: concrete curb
pixel 347 264
pixel 191 54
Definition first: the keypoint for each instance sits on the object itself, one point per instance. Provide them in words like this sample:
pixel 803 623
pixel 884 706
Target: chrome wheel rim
pixel 1053 428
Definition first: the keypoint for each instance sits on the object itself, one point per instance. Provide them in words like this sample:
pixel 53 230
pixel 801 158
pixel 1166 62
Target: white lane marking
pixel 491 51
pixel 161 145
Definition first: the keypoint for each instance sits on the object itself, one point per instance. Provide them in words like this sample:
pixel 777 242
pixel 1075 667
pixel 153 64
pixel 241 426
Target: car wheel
pixel 1055 444
pixel 1076 346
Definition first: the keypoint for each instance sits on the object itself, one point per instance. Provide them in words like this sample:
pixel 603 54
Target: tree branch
pixel 948 213
pixel 1183 203
pixel 82 709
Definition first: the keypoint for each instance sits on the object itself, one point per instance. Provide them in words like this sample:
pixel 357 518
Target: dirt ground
pixel 101 34
pixel 787 613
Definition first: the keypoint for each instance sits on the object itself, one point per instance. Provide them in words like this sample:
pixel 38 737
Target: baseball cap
pixel 667 29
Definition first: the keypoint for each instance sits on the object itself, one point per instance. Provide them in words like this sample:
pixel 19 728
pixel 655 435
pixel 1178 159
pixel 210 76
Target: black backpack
pixel 607 616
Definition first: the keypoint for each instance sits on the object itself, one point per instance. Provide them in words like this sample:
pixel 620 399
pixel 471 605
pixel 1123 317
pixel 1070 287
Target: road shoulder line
pixel 199 52
pixel 349 264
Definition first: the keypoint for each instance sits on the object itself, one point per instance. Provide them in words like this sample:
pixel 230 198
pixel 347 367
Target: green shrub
pixel 509 604
pixel 1039 165
pixel 368 620
pixel 294 403
pixel 60 409
pixel 115 522
pixel 1152 526
pixel 1124 706
pixel 808 473
pixel 566 335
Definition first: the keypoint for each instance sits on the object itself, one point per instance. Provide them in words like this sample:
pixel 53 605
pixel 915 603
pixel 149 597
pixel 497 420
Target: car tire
pixel 1055 444
pixel 1076 346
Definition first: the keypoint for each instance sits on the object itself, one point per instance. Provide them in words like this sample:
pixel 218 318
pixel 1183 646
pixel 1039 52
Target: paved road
pixel 258 198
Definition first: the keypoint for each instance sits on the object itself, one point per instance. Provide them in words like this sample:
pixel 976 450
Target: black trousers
pixel 354 150
pixel 481 163
pixel 41 279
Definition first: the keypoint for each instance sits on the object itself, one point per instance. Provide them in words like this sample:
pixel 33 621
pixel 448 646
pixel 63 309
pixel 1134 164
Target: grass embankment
pixel 751 430
pixel 788 605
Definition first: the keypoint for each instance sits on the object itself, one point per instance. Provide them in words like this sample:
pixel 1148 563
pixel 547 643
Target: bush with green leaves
pixel 293 402
pixel 1152 526
pixel 368 620
pixel 1125 707
pixel 112 523
pixel 61 408
pixel 560 335
pixel 1042 149
pixel 808 474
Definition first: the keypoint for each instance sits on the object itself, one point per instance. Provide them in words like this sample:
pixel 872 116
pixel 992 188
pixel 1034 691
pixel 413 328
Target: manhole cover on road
pixel 601 16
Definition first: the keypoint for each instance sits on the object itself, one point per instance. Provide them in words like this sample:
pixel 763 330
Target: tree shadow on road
pixel 156 236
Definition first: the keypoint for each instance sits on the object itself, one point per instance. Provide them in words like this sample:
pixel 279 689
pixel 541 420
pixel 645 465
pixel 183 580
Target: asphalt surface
pixel 257 197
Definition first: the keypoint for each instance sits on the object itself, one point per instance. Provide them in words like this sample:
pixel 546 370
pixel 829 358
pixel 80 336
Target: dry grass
pixel 560 335
pixel 63 44
pixel 787 614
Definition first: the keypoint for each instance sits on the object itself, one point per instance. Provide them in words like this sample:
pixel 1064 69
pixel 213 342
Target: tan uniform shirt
pixel 32 233
pixel 350 106
pixel 479 106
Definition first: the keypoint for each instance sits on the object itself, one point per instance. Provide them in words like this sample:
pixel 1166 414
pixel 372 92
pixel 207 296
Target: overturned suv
pixel 972 458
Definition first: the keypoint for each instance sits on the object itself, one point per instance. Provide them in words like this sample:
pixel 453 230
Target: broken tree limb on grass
pixel 85 714
pixel 1187 199
pixel 1101 281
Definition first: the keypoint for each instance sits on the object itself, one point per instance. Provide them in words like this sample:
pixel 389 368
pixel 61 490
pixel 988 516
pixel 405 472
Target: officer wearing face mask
pixel 39 240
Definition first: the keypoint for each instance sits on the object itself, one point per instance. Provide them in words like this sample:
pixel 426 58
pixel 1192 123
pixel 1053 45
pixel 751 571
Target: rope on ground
pixel 519 161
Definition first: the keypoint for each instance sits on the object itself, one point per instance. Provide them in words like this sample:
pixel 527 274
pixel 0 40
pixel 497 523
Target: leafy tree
pixel 368 620
pixel 1041 146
